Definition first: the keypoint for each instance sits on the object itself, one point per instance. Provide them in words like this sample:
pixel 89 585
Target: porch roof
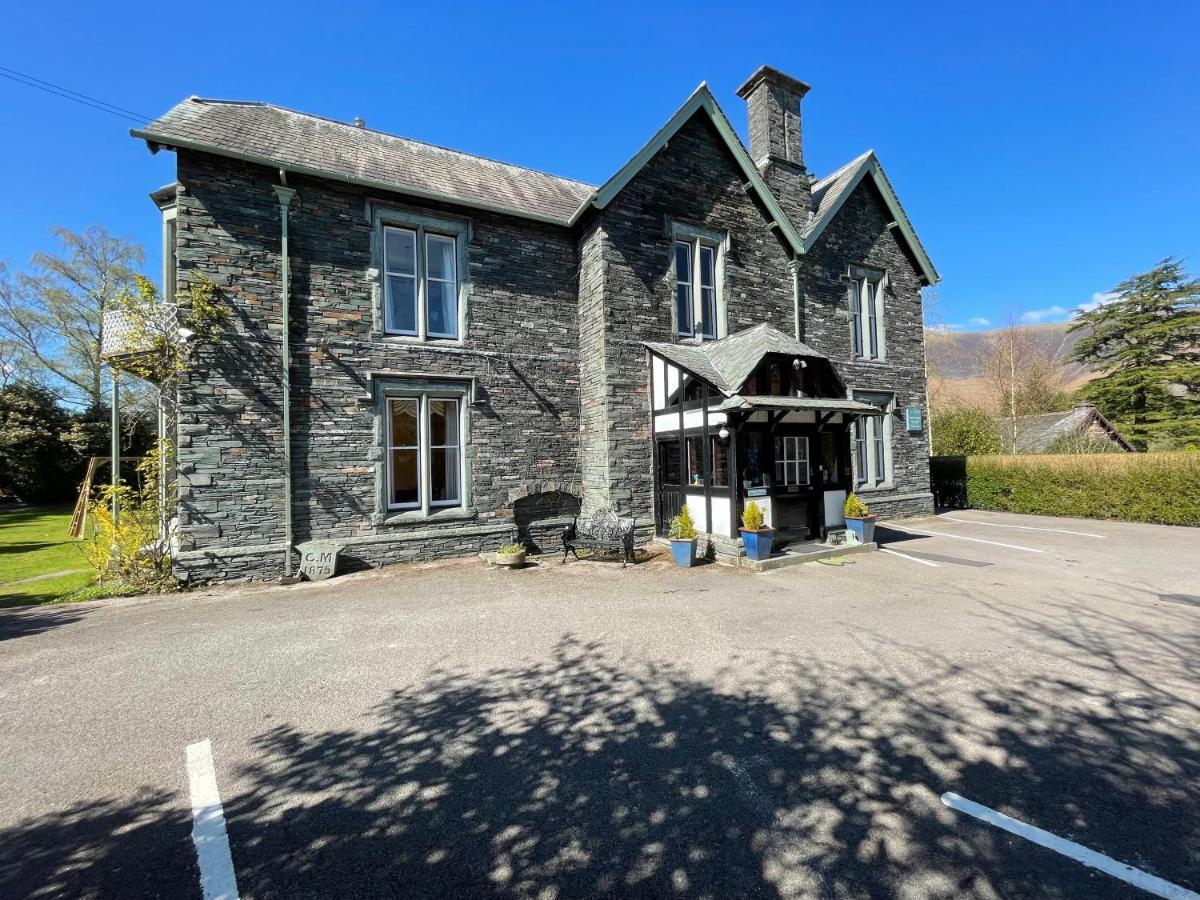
pixel 728 362
pixel 811 404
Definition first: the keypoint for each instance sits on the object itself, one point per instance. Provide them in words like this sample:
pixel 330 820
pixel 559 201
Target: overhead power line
pixel 67 94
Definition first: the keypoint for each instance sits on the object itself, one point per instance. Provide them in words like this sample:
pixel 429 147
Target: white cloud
pixel 1034 316
pixel 979 322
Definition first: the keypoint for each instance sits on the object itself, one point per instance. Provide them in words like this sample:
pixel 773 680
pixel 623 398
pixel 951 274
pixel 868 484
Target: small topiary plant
pixel 682 526
pixel 509 549
pixel 752 517
pixel 855 508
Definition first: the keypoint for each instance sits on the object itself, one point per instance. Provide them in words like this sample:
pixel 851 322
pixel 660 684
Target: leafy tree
pixel 54 315
pixel 33 457
pixel 965 431
pixel 1041 388
pixel 1146 345
pixel 1084 442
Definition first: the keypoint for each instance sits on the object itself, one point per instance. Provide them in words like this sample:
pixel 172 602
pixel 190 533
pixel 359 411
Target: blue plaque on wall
pixel 756 492
pixel 912 418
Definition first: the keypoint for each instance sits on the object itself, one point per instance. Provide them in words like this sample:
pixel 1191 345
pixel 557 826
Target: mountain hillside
pixel 957 359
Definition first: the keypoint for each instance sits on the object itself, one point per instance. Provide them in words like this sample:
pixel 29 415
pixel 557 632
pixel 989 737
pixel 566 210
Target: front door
pixel 794 494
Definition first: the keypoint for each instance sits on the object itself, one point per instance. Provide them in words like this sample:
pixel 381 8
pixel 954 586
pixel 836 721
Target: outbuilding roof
pixel 1037 434
pixel 300 142
pixel 728 362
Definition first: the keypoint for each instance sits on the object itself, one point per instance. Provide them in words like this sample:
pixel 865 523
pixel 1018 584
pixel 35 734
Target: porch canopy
pixel 809 404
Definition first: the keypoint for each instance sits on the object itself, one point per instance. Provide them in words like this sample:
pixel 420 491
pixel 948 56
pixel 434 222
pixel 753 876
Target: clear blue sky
pixel 1044 150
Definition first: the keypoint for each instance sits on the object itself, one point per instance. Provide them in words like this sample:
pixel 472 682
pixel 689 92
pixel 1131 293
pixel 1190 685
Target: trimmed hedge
pixel 1136 487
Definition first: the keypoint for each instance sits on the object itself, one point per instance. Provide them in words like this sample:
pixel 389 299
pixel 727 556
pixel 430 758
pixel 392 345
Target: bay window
pixel 866 293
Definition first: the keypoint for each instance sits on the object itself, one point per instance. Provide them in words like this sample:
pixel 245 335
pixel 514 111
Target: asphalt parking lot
pixel 580 730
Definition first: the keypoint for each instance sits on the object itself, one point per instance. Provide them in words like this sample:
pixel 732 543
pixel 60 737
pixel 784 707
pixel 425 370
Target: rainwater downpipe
pixel 798 300
pixel 285 195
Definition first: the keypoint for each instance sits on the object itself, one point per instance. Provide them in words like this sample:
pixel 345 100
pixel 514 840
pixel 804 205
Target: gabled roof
pixel 312 145
pixel 701 100
pixel 728 362
pixel 830 193
pixel 1037 434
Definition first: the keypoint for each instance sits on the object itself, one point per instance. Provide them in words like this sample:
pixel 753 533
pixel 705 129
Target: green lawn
pixel 33 541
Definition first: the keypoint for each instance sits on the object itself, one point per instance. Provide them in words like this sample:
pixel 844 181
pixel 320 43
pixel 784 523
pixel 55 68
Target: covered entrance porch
pixel 755 416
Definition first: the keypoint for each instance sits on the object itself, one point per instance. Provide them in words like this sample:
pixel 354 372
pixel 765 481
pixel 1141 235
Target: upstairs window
pixel 695 289
pixel 420 283
pixel 866 314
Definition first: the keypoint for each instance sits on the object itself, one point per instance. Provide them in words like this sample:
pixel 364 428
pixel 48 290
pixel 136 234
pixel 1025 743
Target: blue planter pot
pixel 758 543
pixel 863 529
pixel 684 552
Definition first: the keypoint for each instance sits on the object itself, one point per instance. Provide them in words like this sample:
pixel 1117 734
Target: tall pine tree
pixel 1146 346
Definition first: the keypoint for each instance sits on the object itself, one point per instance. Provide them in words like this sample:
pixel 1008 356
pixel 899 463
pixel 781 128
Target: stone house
pixel 477 351
pixel 1081 429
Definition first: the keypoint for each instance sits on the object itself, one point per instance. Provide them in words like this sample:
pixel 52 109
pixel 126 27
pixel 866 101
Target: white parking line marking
pixel 1150 883
pixel 1025 527
pixel 959 537
pixel 923 562
pixel 217 879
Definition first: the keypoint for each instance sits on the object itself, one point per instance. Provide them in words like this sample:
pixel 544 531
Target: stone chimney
pixel 776 147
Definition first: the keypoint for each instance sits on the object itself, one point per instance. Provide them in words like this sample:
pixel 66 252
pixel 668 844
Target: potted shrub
pixel 755 538
pixel 511 555
pixel 683 539
pixel 859 519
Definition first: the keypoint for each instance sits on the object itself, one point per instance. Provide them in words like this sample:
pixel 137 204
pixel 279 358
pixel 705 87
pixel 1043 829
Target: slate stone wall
pixel 692 180
pixel 859 235
pixel 521 346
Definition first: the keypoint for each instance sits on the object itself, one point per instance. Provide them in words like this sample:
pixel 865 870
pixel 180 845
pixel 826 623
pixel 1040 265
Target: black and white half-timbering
pixel 479 352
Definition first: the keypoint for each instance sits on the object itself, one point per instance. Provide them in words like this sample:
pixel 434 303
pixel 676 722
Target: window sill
pixel 416 516
pixel 868 361
pixel 875 488
pixel 414 341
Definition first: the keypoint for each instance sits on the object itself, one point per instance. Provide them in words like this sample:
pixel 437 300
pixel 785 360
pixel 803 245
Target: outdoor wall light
pixel 799 364
pixel 723 434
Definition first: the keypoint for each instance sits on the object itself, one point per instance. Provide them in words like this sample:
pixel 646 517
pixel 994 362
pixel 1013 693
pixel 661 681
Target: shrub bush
pixel 752 517
pixel 965 431
pixel 854 508
pixel 1136 487
pixel 682 526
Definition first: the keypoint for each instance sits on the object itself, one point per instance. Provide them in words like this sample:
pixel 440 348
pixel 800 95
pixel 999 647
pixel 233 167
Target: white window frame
pixel 697 240
pixel 871 438
pixel 867 290
pixel 424 448
pixel 792 458
pixel 423 228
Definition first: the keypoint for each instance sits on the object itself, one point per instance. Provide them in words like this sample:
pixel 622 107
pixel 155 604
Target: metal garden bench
pixel 605 530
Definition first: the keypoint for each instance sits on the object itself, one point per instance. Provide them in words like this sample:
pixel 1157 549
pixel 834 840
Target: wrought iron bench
pixel 605 530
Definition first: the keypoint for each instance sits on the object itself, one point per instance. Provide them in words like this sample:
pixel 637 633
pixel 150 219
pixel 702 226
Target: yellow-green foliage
pixel 752 517
pixel 855 508
pixel 682 526
pixel 1135 487
pixel 132 550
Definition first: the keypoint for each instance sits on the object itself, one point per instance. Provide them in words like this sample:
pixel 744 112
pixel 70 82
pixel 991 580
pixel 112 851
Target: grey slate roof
pixel 827 191
pixel 278 137
pixel 727 363
pixel 816 404
pixel 1037 434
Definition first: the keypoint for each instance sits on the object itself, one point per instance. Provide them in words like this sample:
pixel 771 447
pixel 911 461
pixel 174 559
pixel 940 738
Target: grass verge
pixel 34 545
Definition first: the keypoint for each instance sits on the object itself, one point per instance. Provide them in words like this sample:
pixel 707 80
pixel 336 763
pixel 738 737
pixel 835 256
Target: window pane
pixel 872 323
pixel 405 483
pixel 440 260
pixel 443 475
pixel 695 450
pixel 708 311
pixel 707 274
pixel 400 251
pixel 404 422
pixel 856 318
pixel 441 309
pixel 401 304
pixel 683 262
pixel 683 308
pixel 672 470
pixel 443 423
pixel 720 463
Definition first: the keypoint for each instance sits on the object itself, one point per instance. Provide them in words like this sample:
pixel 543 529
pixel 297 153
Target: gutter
pixel 286 195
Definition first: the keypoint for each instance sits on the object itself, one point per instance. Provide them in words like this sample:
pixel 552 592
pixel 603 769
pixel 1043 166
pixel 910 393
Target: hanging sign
pixel 912 418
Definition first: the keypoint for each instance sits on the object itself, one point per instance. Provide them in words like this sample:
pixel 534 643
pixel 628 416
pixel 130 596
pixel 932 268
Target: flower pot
pixel 758 543
pixel 862 529
pixel 510 559
pixel 684 551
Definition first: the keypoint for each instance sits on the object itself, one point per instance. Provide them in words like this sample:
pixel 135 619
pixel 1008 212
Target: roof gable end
pixel 832 191
pixel 700 100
